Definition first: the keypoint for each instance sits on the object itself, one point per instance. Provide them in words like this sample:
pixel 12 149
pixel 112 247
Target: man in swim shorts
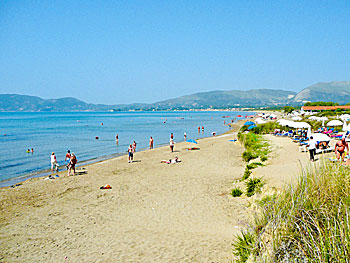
pixel 131 153
pixel 340 149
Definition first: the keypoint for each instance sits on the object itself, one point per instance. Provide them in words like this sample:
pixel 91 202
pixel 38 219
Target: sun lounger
pixel 327 150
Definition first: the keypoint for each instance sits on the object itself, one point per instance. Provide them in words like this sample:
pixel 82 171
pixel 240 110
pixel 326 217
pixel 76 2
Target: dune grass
pixel 255 147
pixel 236 192
pixel 306 222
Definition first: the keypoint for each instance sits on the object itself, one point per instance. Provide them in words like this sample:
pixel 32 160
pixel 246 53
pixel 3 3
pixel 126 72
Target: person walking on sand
pixel 54 164
pixel 131 154
pixel 312 148
pixel 172 143
pixel 72 162
pixel 340 149
pixel 151 143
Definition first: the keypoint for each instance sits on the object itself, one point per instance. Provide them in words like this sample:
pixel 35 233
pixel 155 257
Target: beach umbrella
pixel 251 127
pixel 302 125
pixel 321 137
pixel 191 140
pixel 260 121
pixel 334 123
pixel 283 122
pixel 297 118
pixel 249 123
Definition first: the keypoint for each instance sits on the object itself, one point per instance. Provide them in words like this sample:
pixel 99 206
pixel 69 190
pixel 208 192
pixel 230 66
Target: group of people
pixel 70 159
pixel 339 148
pixel 131 151
pixel 30 150
pixel 132 147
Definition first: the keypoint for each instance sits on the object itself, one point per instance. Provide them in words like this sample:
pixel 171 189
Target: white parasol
pixel 334 123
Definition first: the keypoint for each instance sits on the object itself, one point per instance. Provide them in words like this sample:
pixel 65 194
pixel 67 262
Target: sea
pixel 48 132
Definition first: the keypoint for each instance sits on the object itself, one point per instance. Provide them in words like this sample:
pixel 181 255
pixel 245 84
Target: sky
pixel 114 52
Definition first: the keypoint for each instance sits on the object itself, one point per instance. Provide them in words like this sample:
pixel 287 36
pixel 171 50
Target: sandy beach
pixel 154 212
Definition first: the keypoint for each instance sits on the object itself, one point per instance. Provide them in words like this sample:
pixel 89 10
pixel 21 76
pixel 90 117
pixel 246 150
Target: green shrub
pixel 253 185
pixel 248 156
pixel 263 158
pixel 236 192
pixel 243 245
pixel 254 165
pixel 246 174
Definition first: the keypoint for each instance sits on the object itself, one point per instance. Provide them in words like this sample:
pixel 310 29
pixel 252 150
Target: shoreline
pixel 12 182
pixel 155 212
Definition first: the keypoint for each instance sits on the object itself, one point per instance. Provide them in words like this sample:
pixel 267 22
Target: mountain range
pixel 337 91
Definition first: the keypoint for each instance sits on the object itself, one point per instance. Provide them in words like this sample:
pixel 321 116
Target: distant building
pixel 322 108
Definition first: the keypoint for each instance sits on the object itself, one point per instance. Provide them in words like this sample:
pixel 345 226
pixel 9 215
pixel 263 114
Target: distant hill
pixel 14 102
pixel 224 99
pixel 336 91
pixel 327 91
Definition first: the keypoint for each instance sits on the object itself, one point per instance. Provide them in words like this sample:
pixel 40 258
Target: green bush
pixel 243 245
pixel 253 185
pixel 246 174
pixel 248 156
pixel 236 192
pixel 254 165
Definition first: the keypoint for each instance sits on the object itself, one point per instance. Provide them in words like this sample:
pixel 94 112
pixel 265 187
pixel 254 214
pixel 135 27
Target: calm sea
pixel 58 132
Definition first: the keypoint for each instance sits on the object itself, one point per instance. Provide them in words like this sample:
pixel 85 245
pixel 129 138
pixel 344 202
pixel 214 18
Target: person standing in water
pixel 117 139
pixel 185 136
pixel 54 164
pixel 151 143
pixel 199 129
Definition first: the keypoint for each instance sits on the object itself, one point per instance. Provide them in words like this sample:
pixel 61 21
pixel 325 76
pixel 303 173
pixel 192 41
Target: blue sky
pixel 145 51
